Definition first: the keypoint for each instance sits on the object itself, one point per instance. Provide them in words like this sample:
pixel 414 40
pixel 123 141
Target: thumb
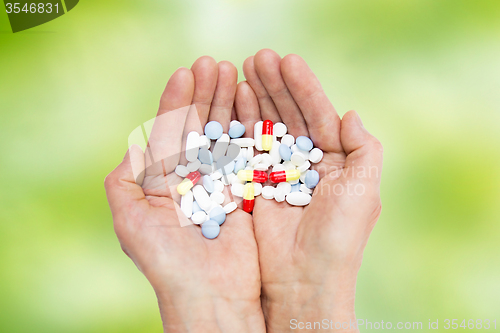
pixel 123 184
pixel 364 151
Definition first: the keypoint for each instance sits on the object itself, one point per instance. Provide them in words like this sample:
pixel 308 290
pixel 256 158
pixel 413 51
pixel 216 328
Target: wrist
pixel 288 308
pixel 210 314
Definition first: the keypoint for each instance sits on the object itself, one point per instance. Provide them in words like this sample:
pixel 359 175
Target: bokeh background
pixel 423 74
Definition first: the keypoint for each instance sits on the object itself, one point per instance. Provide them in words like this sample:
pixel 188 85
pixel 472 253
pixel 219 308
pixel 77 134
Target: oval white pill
pixel 204 142
pixel 220 147
pixel 257 135
pixel 192 146
pixel 181 171
pixel 279 129
pixel 315 155
pixel 216 175
pixel 278 167
pixel 217 197
pixel 194 166
pixel 255 160
pixel 275 153
pixel 279 194
pixel 230 207
pixel 298 159
pixel 206 169
pixel 261 167
pixel 244 142
pixel 199 217
pixel 202 197
pixel 187 204
pixel 305 189
pixel 289 165
pixel 257 189
pixel 237 190
pixel 288 140
pixel 306 165
pixel 250 153
pixel 285 187
pixel 218 186
pixel 228 178
pixel 298 199
pixel 268 192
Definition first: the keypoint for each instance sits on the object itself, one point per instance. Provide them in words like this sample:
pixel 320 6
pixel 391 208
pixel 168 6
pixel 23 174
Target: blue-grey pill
pixel 208 183
pixel 285 152
pixel 296 187
pixel 213 130
pixel 240 164
pixel 196 207
pixel 218 214
pixel 304 143
pixel 237 131
pixel 225 164
pixel 205 156
pixel 210 229
pixel 312 179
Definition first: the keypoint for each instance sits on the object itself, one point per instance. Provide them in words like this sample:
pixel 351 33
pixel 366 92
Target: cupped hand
pixel 202 285
pixel 310 256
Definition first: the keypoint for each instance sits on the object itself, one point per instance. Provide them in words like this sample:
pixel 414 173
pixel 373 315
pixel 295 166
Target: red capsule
pixel 267 135
pixel 248 197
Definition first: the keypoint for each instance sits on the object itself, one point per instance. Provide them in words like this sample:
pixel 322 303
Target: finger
pixel 267 108
pixel 222 103
pixel 267 65
pixel 247 107
pixel 364 151
pixel 205 72
pixel 122 190
pixel 166 134
pixel 321 118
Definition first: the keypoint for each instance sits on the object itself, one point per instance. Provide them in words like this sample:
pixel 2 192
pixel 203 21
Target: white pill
pixel 218 197
pixel 181 171
pixel 279 129
pixel 237 190
pixel 202 197
pixel 305 153
pixel 244 142
pixel 212 206
pixel 266 159
pixel 298 159
pixel 220 147
pixel 289 165
pixel 305 189
pixel 230 207
pixel 194 166
pixel 243 153
pixel 218 186
pixel 187 204
pixel 199 217
pixel 204 142
pixel 216 175
pixel 228 178
pixel 257 189
pixel 248 167
pixel 192 146
pixel 257 135
pixel 315 155
pixel 206 169
pixel 274 153
pixel 294 148
pixel 288 140
pixel 261 167
pixel 298 199
pixel 306 165
pixel 250 153
pixel 293 182
pixel 255 160
pixel 279 194
pixel 233 122
pixel 278 167
pixel 268 192
pixel 236 180
pixel 285 187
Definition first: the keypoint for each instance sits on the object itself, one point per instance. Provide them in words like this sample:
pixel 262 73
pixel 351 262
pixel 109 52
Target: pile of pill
pixel 217 159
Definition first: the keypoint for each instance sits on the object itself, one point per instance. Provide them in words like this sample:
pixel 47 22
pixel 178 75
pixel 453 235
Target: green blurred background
pixel 424 76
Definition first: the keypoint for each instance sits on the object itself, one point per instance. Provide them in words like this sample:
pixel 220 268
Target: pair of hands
pixel 280 263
